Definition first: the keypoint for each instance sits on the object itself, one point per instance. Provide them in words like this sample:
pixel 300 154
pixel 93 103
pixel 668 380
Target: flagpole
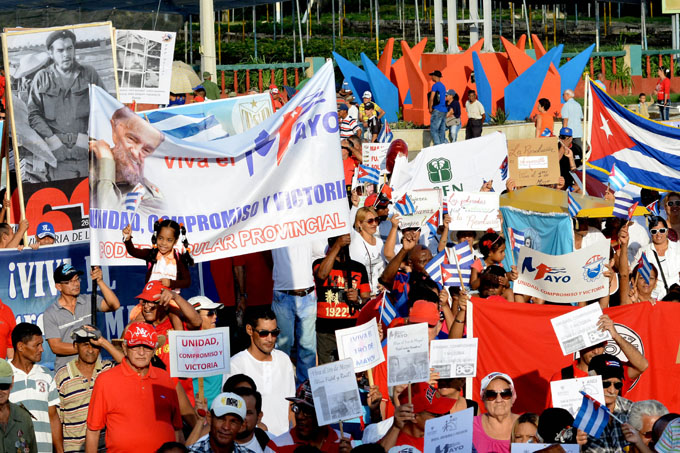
pixel 587 128
pixel 512 247
pixel 460 276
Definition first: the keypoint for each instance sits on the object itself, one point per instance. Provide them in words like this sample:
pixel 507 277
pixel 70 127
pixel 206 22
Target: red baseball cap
pixel 151 291
pixel 141 333
pixel 424 398
pixel 424 311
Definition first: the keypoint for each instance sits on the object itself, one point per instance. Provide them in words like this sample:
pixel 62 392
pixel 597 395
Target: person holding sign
pixel 341 287
pixel 225 418
pixel 492 430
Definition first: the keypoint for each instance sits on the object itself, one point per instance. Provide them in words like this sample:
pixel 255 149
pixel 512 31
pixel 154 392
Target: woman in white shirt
pixel 366 247
pixel 662 253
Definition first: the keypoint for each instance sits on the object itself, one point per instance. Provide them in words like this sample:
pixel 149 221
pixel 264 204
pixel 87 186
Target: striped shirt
pixel 670 438
pixel 74 396
pixel 348 127
pixel 36 391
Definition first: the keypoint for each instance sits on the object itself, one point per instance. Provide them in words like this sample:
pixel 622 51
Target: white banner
pixel 454 167
pixel 361 344
pixel 278 184
pixel 574 277
pixel 199 353
pixel 477 211
pixel 144 65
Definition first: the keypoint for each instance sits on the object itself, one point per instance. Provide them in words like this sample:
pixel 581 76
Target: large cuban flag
pixel 648 152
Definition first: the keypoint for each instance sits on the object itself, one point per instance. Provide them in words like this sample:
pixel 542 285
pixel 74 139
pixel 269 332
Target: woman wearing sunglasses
pixel 662 253
pixel 492 430
pixel 366 247
pixel 672 205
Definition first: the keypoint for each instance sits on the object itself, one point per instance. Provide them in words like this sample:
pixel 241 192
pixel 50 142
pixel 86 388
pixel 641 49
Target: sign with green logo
pixel 439 170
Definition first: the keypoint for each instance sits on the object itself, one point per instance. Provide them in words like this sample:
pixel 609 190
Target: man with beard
pixel 120 170
pixel 76 380
pixel 307 430
pixel 226 417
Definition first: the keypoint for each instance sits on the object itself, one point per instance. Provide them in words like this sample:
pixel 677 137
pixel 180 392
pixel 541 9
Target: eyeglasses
pixel 209 312
pixel 5 386
pixel 265 333
pixel 607 384
pixel 647 435
pixel 371 221
pixel 658 230
pixel 150 302
pixel 491 395
pixel 673 203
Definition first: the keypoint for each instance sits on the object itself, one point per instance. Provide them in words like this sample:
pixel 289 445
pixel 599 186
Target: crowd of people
pixel 284 309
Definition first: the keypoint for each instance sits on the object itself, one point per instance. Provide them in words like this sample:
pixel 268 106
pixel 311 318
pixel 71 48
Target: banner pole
pixel 93 300
pixel 4 156
pixel 17 171
pixel 370 376
pixel 587 126
pixel 342 434
pixel 409 392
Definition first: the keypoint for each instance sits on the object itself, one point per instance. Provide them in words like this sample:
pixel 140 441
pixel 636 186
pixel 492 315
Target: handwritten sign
pixel 565 393
pixel 454 358
pixel 426 202
pixel 578 329
pixel 199 353
pixel 450 433
pixel 335 392
pixel 407 354
pixel 361 344
pixel 534 161
pixel 477 211
pixel 531 448
pixel 375 155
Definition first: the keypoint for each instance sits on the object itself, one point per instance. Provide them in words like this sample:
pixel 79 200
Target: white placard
pixel 574 277
pixel 199 353
pixel 532 162
pixel 375 155
pixel 477 211
pixel 144 65
pixel 530 448
pixel 454 357
pixel 407 354
pixel 361 344
pixel 565 393
pixel 335 392
pixel 578 329
pixel 426 202
pixel 450 433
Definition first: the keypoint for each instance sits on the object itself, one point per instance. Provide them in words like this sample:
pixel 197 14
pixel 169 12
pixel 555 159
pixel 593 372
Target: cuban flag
pixel 134 198
pixel 624 206
pixel 387 310
pixel 574 207
pixel 654 208
pixel 516 239
pixel 617 179
pixel 504 168
pixel 464 255
pixel 450 275
pixel 368 174
pixel 592 417
pixel 433 222
pixel 405 206
pixel 434 267
pixel 445 208
pixel 648 152
pixel 189 127
pixel 385 135
pixel 645 268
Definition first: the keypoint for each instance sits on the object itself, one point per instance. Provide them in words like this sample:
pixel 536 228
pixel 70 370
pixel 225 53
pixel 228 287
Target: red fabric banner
pixel 518 339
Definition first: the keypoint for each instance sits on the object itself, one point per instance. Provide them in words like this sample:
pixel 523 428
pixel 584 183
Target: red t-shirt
pixel 406 439
pixel 349 165
pixel 289 442
pixel 259 283
pixel 163 353
pixel 663 88
pixel 222 271
pixel 380 379
pixel 140 413
pixel 7 324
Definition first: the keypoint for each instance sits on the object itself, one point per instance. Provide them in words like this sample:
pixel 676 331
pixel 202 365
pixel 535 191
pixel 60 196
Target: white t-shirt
pixel 252 445
pixel 353 111
pixel 293 265
pixel 275 380
pixel 371 256
pixel 594 235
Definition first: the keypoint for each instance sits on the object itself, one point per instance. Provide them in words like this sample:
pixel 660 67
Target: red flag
pixel 387 190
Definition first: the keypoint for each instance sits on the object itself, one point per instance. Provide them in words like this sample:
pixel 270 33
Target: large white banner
pixel 277 184
pixel 574 277
pixel 455 167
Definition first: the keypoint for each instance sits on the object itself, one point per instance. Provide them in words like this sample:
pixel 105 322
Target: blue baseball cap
pixel 45 229
pixel 566 132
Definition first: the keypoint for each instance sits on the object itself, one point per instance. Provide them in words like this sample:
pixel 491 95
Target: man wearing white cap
pixel 365 113
pixel 226 417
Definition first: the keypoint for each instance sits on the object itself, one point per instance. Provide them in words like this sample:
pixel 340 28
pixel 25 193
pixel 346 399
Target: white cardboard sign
pixel 335 392
pixel 476 211
pixel 450 433
pixel 407 354
pixel 361 344
pixel 578 329
pixel 454 357
pixel 565 393
pixel 199 353
pixel 426 202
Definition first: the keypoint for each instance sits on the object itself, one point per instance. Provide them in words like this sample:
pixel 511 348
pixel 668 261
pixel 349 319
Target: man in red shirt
pixel 137 403
pixel 307 430
pixel 7 324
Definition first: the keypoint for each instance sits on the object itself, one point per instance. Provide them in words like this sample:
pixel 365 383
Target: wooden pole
pixel 370 377
pixel 342 434
pixel 409 392
pixel 93 300
pixel 4 157
pixel 9 121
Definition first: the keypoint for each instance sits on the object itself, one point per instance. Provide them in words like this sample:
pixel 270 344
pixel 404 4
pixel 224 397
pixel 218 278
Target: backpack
pixel 435 98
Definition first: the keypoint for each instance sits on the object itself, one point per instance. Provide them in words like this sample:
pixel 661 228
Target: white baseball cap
pixel 496 375
pixel 228 403
pixel 203 303
pixel 367 94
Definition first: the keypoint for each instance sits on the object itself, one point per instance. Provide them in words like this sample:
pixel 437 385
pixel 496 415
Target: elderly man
pixel 59 107
pixel 212 91
pixel 643 415
pixel 120 170
pixel 72 309
pixel 572 117
pixel 16 427
pixel 75 381
pixel 135 402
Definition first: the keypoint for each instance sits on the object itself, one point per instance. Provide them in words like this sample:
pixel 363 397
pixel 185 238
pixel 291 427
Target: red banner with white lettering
pixel 518 339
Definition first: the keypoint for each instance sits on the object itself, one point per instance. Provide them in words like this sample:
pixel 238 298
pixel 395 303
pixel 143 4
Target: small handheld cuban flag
pixel 617 179
pixel 405 206
pixel 645 268
pixel 368 174
pixel 653 208
pixel 592 417
pixel 385 135
pixel 516 239
pixel 433 222
pixel 504 168
pixel 434 267
pixel 574 207
pixel 623 204
pixel 387 311
pixel 450 275
pixel 464 255
pixel 134 198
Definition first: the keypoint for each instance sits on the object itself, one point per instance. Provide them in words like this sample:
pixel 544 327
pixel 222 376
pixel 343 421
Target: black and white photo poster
pixel 335 391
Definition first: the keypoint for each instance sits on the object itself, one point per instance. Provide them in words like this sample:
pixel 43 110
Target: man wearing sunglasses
pixel 307 430
pixel 270 368
pixel 16 426
pixel 612 438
